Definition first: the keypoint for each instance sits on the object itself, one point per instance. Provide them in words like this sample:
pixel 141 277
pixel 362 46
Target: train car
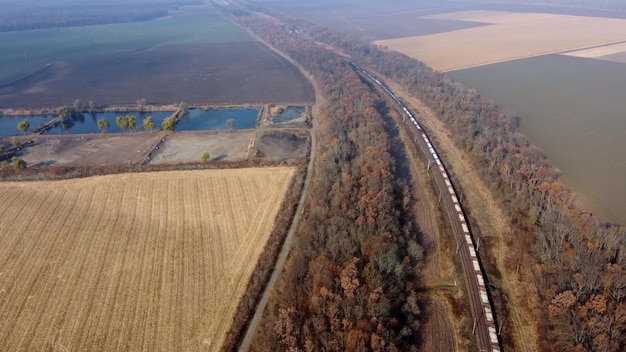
pixel 476 266
pixel 481 281
pixel 472 252
pixel 483 296
pixel 468 239
pixel 493 337
pixel 465 229
pixel 488 315
pixel 450 190
pixel 437 161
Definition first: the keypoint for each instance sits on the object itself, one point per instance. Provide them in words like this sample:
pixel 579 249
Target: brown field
pixel 214 73
pixel 131 262
pixel 510 36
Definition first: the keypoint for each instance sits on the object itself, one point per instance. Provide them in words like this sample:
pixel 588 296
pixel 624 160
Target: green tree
pixel 92 107
pixel 18 164
pixel 16 142
pixel 132 122
pixel 148 123
pixel 206 157
pixel 169 124
pixel 103 125
pixel 184 107
pixel 122 122
pixel 64 112
pixel 4 165
pixel 23 126
pixel 78 106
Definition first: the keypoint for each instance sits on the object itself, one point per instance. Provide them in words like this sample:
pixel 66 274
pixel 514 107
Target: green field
pixel 27 51
pixel 575 110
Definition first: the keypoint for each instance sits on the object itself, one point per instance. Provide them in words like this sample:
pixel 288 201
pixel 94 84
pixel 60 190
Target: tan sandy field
pixel 598 52
pixel 131 262
pixel 507 36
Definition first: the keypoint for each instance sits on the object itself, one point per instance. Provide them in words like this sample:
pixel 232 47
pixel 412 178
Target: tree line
pixel 351 280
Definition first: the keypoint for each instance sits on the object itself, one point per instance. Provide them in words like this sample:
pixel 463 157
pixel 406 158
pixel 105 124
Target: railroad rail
pixel 484 327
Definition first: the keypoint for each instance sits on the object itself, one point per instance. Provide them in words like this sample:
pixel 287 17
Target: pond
pixel 218 119
pixel 196 120
pixel 288 114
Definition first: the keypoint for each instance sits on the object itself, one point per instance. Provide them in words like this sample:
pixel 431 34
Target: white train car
pixel 493 337
pixel 483 296
pixel 472 252
pixel 481 281
pixel 488 315
pixel 476 268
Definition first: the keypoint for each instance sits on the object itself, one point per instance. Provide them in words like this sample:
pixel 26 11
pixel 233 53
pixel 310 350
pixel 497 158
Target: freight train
pixel 483 290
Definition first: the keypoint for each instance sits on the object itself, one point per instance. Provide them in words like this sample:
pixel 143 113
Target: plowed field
pixel 509 36
pixel 132 262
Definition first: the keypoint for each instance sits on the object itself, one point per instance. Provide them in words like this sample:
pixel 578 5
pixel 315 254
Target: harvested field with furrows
pixel 509 36
pixel 131 262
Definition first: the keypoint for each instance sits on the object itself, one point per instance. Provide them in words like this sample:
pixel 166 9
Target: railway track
pixel 484 321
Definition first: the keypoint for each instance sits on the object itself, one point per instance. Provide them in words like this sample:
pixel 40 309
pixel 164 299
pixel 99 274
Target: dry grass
pixel 507 36
pixel 132 262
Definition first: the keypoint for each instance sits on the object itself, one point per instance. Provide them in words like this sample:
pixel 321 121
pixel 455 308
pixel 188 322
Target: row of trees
pixel 351 279
pixel 129 122
pixel 18 164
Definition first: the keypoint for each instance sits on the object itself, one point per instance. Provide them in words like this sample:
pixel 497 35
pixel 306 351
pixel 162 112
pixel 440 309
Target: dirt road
pixel 282 256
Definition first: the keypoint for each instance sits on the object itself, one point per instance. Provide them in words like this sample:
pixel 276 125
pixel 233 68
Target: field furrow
pixel 136 262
